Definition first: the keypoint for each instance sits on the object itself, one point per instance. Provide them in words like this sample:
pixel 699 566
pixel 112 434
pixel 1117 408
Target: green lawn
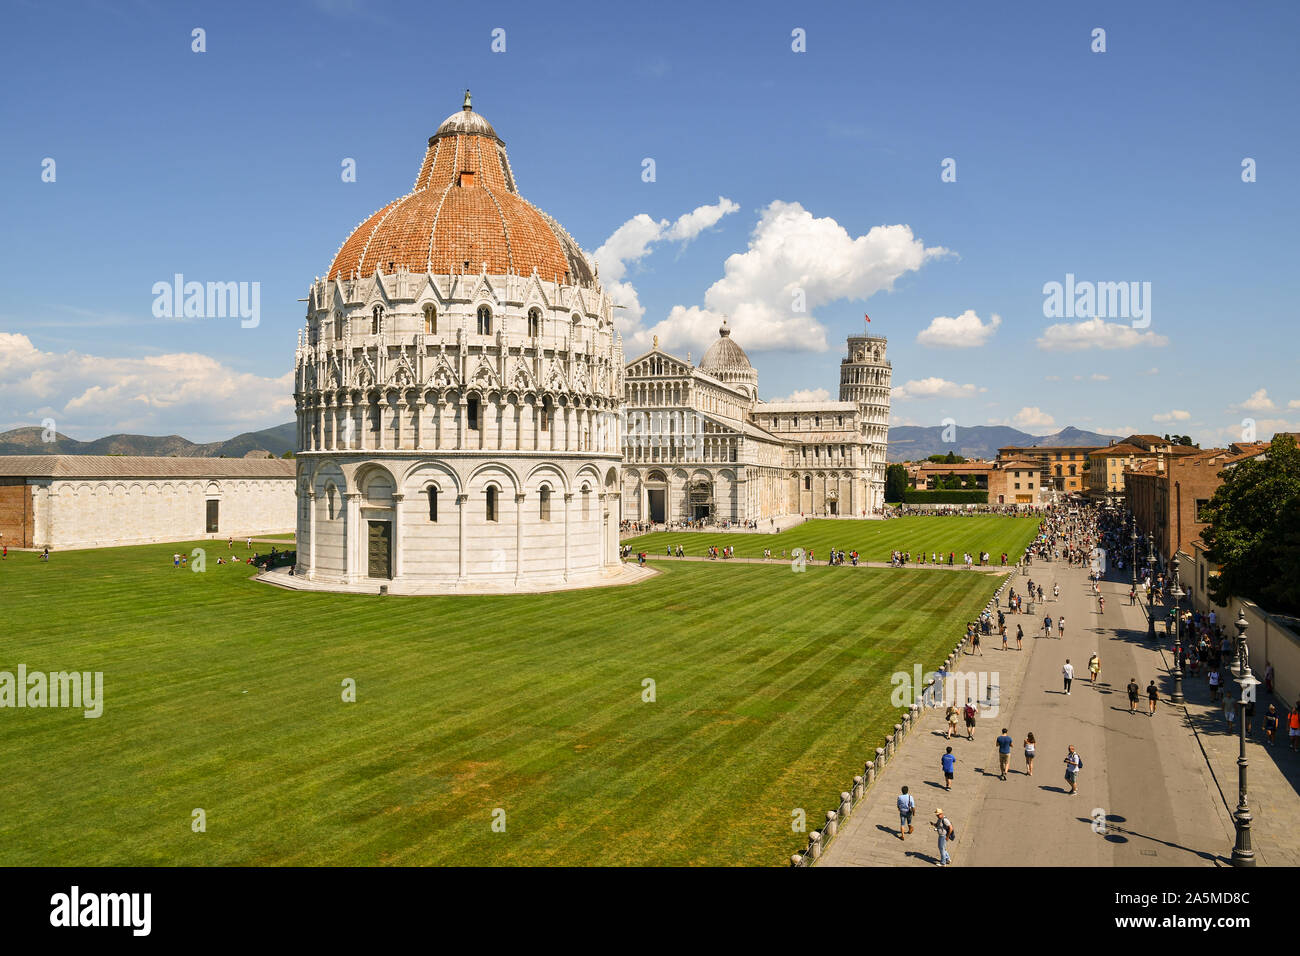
pixel 874 540
pixel 224 694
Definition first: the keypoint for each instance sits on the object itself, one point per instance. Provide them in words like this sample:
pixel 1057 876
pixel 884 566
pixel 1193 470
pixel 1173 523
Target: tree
pixel 948 459
pixel 288 454
pixel 895 482
pixel 1254 531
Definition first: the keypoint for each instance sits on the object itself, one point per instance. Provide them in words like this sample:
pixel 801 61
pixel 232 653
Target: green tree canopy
pixel 1254 532
pixel 895 482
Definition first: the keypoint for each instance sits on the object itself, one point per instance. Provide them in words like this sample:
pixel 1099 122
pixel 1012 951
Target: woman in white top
pixel 1031 747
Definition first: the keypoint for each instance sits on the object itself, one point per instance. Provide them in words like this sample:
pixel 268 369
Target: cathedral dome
pixel 463 212
pixel 725 355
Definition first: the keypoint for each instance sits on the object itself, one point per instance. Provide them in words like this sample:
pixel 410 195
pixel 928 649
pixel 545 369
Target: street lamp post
pixel 1135 557
pixel 1177 594
pixel 1151 592
pixel 1243 854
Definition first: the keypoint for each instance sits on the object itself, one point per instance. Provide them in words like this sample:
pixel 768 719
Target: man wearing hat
pixel 944 829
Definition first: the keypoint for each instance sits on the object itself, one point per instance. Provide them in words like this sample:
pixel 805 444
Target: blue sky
pixel 1115 166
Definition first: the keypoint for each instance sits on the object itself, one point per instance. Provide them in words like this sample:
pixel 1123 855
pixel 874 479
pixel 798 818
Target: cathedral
pixel 700 445
pixel 458 386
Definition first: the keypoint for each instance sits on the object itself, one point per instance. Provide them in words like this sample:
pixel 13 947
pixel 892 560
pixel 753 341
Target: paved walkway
pixel 1149 776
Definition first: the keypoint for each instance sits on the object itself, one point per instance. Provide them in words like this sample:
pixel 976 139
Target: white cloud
pixel 1095 334
pixel 790 252
pixel 1294 403
pixel 960 332
pixel 1258 402
pixel 631 242
pixel 1177 415
pixel 934 388
pixel 91 395
pixel 806 395
pixel 1031 416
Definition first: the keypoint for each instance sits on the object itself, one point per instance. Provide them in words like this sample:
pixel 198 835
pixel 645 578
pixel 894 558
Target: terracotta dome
pixel 463 212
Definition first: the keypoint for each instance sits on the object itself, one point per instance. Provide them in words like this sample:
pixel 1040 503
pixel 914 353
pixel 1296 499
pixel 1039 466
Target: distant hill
pixel 912 442
pixel 27 441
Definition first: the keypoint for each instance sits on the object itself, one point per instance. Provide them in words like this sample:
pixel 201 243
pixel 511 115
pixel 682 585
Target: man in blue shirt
pixel 906 809
pixel 949 762
pixel 1004 751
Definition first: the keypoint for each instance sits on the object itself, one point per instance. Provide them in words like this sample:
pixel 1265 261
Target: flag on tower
pixel 867 317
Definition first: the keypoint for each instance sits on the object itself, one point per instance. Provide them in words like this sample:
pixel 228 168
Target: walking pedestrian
pixel 949 764
pixel 1153 698
pixel 906 811
pixel 1068 673
pixel 975 641
pixel 1004 752
pixel 1031 748
pixel 951 715
pixel 1293 725
pixel 946 833
pixel 970 714
pixel 1132 695
pixel 1047 626
pixel 1270 725
pixel 1094 668
pixel 1060 627
pixel 1073 764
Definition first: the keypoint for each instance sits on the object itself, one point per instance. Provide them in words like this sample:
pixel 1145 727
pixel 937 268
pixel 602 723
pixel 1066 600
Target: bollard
pixel 846 804
pixel 832 824
pixel 889 747
pixel 815 845
pixel 915 713
pixel 796 860
pixel 898 735
pixel 870 771
pixel 880 759
pixel 907 723
pixel 857 788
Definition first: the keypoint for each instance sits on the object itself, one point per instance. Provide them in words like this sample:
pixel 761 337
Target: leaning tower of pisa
pixel 865 376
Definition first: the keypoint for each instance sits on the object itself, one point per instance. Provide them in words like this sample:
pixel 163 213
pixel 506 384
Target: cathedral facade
pixel 699 444
pixel 457 387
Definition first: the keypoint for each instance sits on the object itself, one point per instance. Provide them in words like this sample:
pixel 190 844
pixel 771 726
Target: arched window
pixel 433 503
pixel 576 318
pixel 546 414
pixel 471 413
pixel 430 320
pixel 586 502
pixel 484 320
pixel 376 320
pixel 534 322
pixel 807 482
pixel 544 503
pixel 491 503
pixel 332 502
pixel 338 325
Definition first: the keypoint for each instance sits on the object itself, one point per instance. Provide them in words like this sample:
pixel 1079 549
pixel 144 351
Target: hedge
pixel 916 497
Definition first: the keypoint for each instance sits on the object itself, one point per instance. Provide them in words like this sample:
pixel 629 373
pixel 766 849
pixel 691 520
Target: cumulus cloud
pixel 1096 334
pixel 1176 415
pixel 806 395
pixel 1258 402
pixel 964 331
pixel 1031 416
pixel 935 388
pixel 91 395
pixel 794 265
pixel 632 242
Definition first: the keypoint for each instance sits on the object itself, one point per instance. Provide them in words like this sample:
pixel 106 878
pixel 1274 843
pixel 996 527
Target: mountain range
pixel 913 442
pixel 906 442
pixel 27 441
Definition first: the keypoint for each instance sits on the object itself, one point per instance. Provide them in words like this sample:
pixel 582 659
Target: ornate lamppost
pixel 1151 591
pixel 1177 594
pixel 1243 854
pixel 1135 557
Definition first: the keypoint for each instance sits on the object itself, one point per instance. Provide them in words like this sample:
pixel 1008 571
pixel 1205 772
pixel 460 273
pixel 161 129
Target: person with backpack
pixel 946 833
pixel 970 714
pixel 1073 764
pixel 951 715
pixel 906 812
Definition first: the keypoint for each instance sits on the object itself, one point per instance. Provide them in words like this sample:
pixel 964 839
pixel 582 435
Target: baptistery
pixel 458 387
